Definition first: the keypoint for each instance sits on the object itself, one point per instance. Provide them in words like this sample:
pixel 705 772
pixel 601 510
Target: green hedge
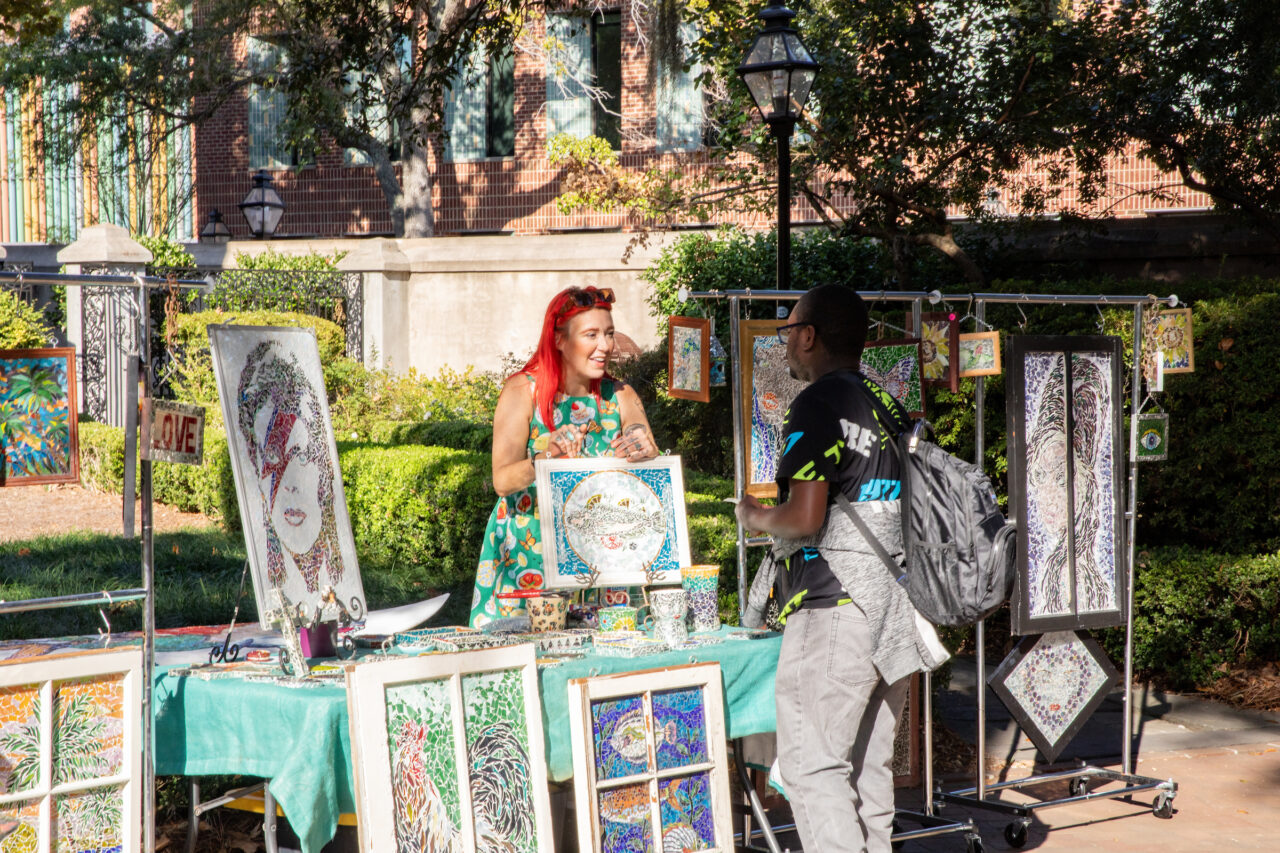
pixel 457 434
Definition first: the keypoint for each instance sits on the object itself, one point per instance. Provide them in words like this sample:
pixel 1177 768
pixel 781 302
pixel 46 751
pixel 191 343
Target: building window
pixel 479 110
pixel 678 99
pixel 606 58
pixel 585 53
pixel 267 112
pixel 366 107
pixel 500 106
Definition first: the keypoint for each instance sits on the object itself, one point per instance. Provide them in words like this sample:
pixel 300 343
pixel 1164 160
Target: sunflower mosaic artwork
pixel 939 348
pixel 38 439
pixel 1173 339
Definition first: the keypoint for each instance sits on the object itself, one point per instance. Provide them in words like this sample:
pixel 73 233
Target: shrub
pixel 363 397
pixel 308 283
pixel 21 326
pixel 166 255
pixel 458 435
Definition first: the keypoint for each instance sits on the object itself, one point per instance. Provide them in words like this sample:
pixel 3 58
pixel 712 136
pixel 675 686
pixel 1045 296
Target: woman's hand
pixel 566 441
pixel 635 444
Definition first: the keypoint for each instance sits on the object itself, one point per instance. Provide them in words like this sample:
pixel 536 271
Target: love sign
pixel 173 432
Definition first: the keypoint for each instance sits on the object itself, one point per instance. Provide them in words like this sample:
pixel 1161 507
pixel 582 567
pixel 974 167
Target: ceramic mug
pixel 547 612
pixel 620 617
pixel 669 607
pixel 702 583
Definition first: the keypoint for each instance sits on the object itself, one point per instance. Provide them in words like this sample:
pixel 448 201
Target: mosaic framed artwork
pixel 285 464
pixel 979 354
pixel 767 378
pixel 939 348
pixel 607 522
pixel 650 767
pixel 1174 339
pixel 1153 437
pixel 1066 477
pixel 895 367
pixel 71 739
pixel 39 442
pixel 449 754
pixel 906 739
pixel 1052 683
pixel 689 358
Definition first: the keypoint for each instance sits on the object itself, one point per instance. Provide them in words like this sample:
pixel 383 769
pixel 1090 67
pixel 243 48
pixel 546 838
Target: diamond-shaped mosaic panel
pixel 1052 683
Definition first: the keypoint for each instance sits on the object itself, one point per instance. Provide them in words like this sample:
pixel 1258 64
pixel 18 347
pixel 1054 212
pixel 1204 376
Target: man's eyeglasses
pixel 784 332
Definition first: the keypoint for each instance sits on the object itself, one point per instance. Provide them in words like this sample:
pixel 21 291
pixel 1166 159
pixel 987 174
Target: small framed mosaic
pixel 1153 437
pixel 980 354
pixel 1173 338
pixel 1051 684
pixel 449 754
pixel 689 358
pixel 39 443
pixel 939 348
pixel 650 765
pixel 768 389
pixel 895 367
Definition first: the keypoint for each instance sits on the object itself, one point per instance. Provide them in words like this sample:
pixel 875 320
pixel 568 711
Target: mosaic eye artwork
pixel 88 735
pixel 765 372
pixel 895 367
pixel 38 434
pixel 650 769
pixel 606 522
pixel 1066 471
pixel 1052 683
pixel 1153 437
pixel 422 789
pixel 689 358
pixel 285 464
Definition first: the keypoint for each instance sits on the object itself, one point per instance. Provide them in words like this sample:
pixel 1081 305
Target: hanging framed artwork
pixel 895 367
pixel 71 738
pixel 650 767
pixel 979 354
pixel 449 754
pixel 768 389
pixel 1173 338
pixel 285 464
pixel 1052 683
pixel 689 358
pixel 1153 437
pixel 939 348
pixel 1066 478
pixel 39 442
pixel 608 522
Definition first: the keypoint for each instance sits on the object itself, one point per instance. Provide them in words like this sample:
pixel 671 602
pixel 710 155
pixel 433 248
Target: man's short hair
pixel 840 316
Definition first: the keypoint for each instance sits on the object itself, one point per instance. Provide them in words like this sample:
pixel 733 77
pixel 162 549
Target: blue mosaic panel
pixel 680 727
pixel 688 822
pixel 617 727
pixel 626 824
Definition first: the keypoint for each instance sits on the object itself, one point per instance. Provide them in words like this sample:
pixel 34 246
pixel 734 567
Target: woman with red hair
pixel 563 402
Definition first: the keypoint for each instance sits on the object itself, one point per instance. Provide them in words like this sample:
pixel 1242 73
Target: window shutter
pixel 266 112
pixel 464 107
pixel 678 100
pixel 375 110
pixel 568 63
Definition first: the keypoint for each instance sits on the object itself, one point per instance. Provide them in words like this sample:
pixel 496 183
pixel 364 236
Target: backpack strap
pixel 895 571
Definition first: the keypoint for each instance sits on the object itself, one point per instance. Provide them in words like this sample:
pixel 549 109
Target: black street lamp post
pixel 262 206
pixel 779 73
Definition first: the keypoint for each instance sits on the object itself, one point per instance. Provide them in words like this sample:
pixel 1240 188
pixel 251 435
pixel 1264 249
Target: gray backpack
pixel 959 548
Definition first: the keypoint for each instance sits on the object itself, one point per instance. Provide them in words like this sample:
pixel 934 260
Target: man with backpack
pixel 851 639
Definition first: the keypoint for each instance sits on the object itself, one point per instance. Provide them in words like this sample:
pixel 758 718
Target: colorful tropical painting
pixel 766 373
pixel 980 354
pixel 689 358
pixel 895 367
pixel 38 417
pixel 1173 338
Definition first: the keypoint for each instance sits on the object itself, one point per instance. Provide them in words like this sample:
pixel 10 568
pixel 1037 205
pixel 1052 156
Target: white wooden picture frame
pixel 649 751
pixel 447 748
pixel 285 464
pixel 71 738
pixel 608 522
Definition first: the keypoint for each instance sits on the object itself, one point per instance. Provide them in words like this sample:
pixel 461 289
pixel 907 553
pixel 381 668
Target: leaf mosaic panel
pixel 688 821
pixel 626 822
pixel 424 773
pixel 1093 444
pixel 679 728
pixel 1047 515
pixel 618 729
pixel 26 838
pixel 895 367
pixel 19 738
pixel 89 821
pixel 498 760
pixel 88 731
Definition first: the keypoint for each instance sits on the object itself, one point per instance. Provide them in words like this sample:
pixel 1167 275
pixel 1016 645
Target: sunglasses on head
pixel 591 297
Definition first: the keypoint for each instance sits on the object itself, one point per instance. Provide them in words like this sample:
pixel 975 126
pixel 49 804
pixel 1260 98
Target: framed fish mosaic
pixel 607 522
pixel 939 348
pixel 449 753
pixel 1051 684
pixel 38 405
pixel 895 367
pixel 285 464
pixel 765 372
pixel 1066 476
pixel 650 766
pixel 689 358
pixel 980 354
pixel 71 752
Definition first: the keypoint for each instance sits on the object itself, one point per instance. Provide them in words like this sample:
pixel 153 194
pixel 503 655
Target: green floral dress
pixel 511 556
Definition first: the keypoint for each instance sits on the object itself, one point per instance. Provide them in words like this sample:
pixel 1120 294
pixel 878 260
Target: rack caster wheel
pixel 973 844
pixel 1078 786
pixel 1163 807
pixel 1015 834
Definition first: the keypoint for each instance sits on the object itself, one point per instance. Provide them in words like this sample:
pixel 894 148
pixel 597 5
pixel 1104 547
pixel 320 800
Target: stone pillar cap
pixel 105 244
pixel 375 255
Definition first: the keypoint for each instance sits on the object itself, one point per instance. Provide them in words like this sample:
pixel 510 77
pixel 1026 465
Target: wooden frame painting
pixel 1173 337
pixel 1051 684
pixel 1066 475
pixel 650 770
pixel 689 358
pixel 939 348
pixel 767 391
pixel 285 462
pixel 895 367
pixel 1153 437
pixel 39 442
pixel 608 522
pixel 449 754
pixel 979 354
pixel 71 738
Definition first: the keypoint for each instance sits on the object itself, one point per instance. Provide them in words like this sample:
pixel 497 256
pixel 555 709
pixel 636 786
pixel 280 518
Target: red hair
pixel 546 365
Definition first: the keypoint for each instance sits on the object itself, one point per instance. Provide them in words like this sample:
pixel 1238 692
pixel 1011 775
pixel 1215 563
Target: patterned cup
pixel 547 612
pixel 620 617
pixel 669 607
pixel 702 583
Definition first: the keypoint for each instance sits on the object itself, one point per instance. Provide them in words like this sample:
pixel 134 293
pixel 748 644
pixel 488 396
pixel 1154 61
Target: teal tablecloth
pixel 297 736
